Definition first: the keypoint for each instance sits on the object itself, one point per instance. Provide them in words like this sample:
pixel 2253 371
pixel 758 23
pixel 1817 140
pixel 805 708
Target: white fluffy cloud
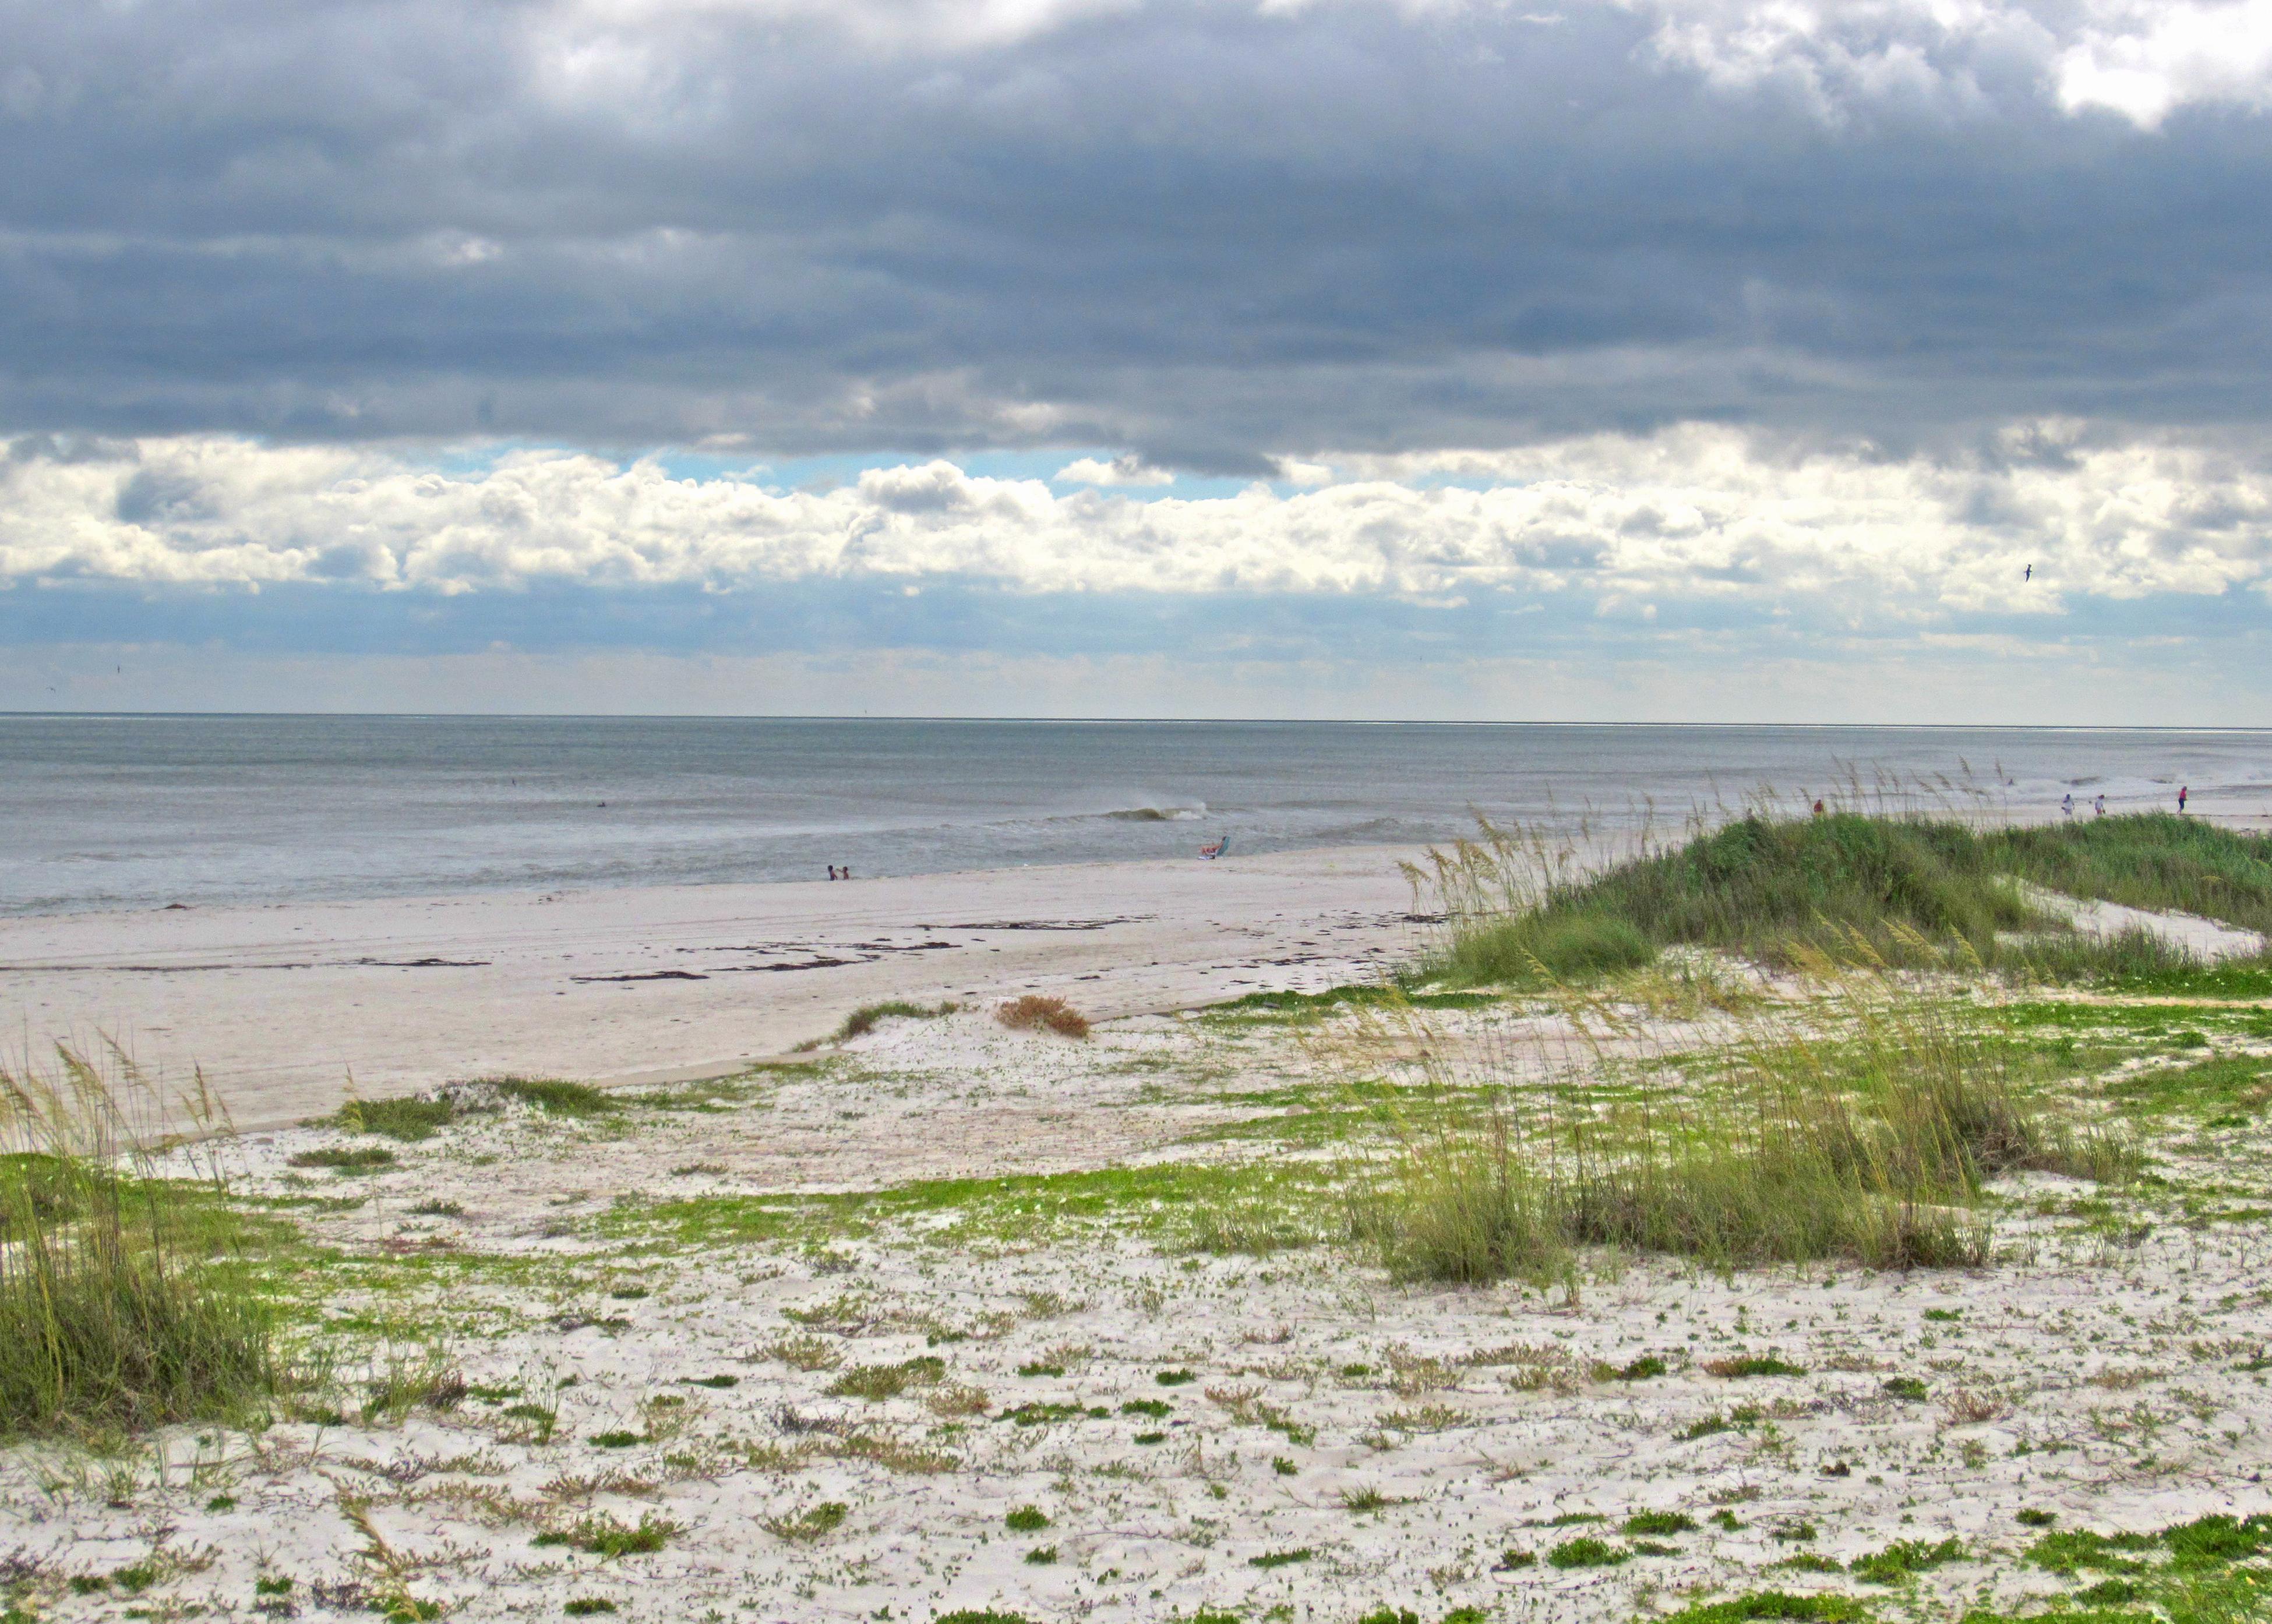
pixel 1695 514
pixel 1123 470
pixel 2141 58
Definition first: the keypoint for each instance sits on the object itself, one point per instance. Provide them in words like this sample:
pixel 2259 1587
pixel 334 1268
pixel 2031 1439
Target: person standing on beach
pixel 2067 806
pixel 2182 791
pixel 2098 806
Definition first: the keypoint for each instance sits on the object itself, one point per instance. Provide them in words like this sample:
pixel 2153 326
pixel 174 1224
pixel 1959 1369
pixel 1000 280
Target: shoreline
pixel 286 1007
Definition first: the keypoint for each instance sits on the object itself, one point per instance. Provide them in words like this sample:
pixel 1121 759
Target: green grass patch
pixel 557 1097
pixel 1810 1609
pixel 868 1017
pixel 600 1534
pixel 408 1119
pixel 1586 1552
pixel 1281 1559
pixel 345 1158
pixel 1347 998
pixel 877 1383
pixel 1050 1414
pixel 124 1300
pixel 1904 1559
pixel 812 1524
pixel 1897 890
pixel 1752 1365
pixel 1874 1146
pixel 1660 1522
pixel 2230 1085
pixel 1181 1205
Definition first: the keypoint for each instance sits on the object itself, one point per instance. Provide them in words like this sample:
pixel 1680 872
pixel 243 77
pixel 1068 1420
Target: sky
pixel 1893 361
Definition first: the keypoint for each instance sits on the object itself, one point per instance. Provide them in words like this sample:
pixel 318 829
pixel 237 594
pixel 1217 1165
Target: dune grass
pixel 2156 861
pixel 1866 1137
pixel 406 1118
pixel 868 1017
pixel 1903 890
pixel 113 1313
pixel 557 1097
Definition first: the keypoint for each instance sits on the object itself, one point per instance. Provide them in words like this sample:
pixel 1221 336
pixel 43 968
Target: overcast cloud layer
pixel 1663 319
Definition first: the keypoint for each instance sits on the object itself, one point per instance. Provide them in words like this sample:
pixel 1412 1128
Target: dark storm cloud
pixel 1197 231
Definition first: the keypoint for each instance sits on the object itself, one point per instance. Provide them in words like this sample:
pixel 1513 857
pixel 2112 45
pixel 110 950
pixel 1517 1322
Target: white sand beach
pixel 279 1005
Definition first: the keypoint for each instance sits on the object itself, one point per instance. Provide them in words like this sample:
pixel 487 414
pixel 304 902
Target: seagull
pixel 2029 573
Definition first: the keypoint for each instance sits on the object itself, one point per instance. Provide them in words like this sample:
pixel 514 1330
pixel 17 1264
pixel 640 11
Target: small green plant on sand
pixel 345 1159
pixel 868 1017
pixel 1586 1552
pixel 1905 1558
pixel 600 1534
pixel 1815 1608
pixel 557 1097
pixel 810 1524
pixel 408 1119
pixel 1660 1522
pixel 1751 1364
pixel 1027 1520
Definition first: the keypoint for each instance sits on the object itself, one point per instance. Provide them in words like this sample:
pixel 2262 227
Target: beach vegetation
pixel 1814 1607
pixel 1281 1559
pixel 868 1017
pixel 1660 1522
pixel 1586 1550
pixel 406 1379
pixel 408 1118
pixel 1868 1135
pixel 877 1382
pixel 556 1097
pixel 814 1522
pixel 1751 1364
pixel 2238 1086
pixel 1027 1520
pixel 805 1352
pixel 122 1302
pixel 345 1159
pixel 600 1534
pixel 1038 1012
pixel 1904 1559
pixel 1522 908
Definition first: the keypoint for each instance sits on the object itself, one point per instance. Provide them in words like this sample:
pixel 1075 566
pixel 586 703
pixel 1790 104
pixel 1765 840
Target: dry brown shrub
pixel 1035 1012
pixel 1968 1407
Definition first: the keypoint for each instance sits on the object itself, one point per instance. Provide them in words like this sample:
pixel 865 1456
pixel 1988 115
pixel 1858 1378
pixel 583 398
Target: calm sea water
pixel 137 811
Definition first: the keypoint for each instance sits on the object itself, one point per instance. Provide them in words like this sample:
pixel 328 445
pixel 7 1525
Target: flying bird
pixel 2030 574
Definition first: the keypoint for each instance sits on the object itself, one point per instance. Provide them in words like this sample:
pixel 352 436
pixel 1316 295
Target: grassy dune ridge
pixel 1907 891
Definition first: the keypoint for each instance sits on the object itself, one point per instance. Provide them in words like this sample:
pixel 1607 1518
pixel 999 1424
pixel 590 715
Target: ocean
pixel 108 812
